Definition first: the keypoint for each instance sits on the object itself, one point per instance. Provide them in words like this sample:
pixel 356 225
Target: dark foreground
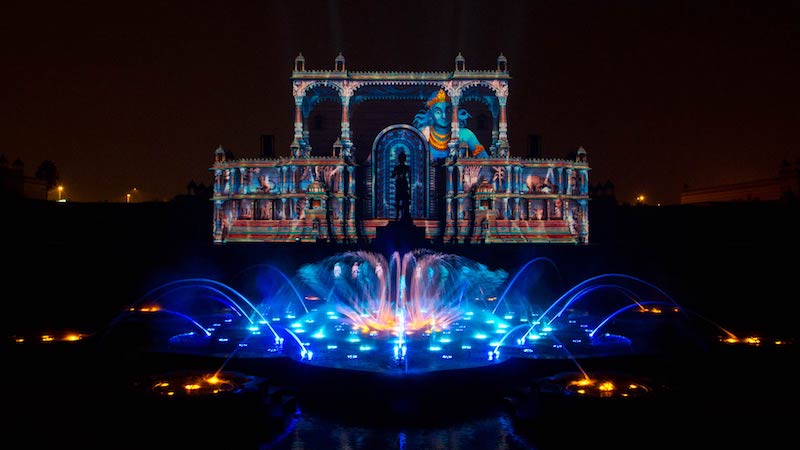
pixel 73 395
pixel 77 271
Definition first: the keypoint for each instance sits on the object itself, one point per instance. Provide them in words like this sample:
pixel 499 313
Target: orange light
pixel 606 386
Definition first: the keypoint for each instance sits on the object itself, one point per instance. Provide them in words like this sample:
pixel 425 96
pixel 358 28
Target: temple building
pixel 339 183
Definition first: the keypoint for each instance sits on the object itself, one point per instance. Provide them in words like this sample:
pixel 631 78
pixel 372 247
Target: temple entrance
pixel 389 144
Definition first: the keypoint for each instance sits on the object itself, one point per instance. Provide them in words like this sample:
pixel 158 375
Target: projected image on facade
pixel 464 183
pixel 435 124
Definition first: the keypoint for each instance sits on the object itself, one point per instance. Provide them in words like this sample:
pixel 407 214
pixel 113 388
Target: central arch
pixel 387 145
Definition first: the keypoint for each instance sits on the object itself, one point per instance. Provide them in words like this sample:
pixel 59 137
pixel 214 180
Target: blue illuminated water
pixel 340 334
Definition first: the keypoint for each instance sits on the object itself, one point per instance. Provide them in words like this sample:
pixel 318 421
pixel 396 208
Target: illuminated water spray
pixel 418 311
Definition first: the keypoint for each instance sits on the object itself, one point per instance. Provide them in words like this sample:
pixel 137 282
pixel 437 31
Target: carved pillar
pixel 351 188
pixel 568 182
pixel 218 181
pixel 298 116
pixel 345 117
pixel 455 128
pixel 584 184
pixel 347 89
pixel 503 124
pixel 217 232
pixel 584 221
pixel 449 215
pixel 227 181
pixel 449 180
pixel 560 181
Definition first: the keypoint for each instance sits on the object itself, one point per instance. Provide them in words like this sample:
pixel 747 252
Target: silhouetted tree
pixel 47 172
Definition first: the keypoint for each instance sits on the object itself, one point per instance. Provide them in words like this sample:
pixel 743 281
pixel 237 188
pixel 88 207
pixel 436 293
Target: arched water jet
pixel 160 293
pixel 428 311
pixel 304 352
pixel 629 294
pixel 182 316
pixel 616 313
pixel 574 292
pixel 203 283
pixel 519 273
pixel 288 281
pixel 226 300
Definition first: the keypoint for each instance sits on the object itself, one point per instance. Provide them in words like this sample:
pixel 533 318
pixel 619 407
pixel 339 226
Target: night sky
pixel 661 94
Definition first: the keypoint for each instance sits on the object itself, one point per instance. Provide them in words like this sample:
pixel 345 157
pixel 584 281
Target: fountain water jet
pixel 421 311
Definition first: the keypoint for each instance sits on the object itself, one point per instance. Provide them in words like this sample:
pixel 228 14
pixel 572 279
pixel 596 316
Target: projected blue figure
pixel 434 123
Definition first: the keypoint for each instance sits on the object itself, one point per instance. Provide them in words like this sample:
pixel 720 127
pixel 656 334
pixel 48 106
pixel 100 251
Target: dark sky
pixel 660 93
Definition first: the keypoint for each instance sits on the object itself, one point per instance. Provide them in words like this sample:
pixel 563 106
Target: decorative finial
pixel 460 63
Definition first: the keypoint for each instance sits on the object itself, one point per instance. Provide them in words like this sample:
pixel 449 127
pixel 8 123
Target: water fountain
pixel 421 311
pixel 407 326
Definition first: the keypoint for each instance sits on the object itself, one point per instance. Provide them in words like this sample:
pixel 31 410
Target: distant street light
pixel 60 190
pixel 128 197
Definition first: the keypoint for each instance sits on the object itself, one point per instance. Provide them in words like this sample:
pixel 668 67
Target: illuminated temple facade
pixel 335 186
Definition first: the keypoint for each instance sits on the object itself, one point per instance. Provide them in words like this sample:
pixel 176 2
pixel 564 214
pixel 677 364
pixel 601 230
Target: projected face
pixel 440 115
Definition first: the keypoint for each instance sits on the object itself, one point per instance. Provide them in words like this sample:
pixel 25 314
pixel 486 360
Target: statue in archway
pixel 402 192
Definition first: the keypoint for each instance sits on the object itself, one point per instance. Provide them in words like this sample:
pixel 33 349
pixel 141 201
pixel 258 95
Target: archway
pixel 387 146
